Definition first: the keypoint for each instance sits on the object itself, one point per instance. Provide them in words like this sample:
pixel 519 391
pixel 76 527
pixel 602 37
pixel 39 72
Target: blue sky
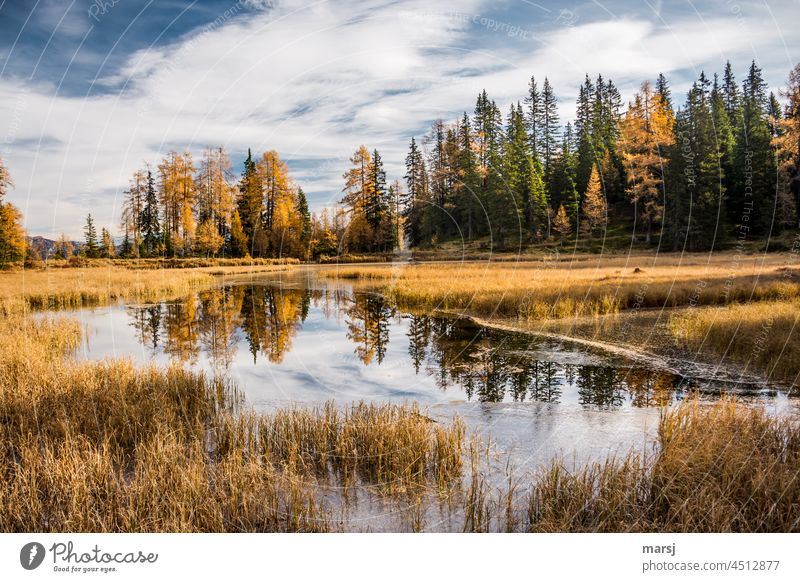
pixel 90 90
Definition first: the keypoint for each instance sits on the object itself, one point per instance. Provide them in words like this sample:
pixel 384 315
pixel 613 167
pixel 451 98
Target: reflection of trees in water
pixel 270 318
pixel 367 320
pixel 147 323
pixel 182 329
pixel 219 318
pixel 488 365
pixel 491 366
pixel 210 320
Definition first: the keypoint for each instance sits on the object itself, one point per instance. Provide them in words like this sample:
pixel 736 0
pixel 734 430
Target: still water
pixel 292 341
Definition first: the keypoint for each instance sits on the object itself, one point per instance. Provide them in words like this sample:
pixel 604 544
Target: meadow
pixel 99 282
pixel 716 305
pixel 577 286
pixel 109 446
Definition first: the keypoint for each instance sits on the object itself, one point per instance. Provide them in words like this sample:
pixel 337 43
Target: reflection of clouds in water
pixel 287 346
pixel 294 345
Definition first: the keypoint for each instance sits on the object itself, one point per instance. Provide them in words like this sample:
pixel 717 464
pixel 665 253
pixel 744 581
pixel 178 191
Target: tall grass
pixel 764 337
pixel 559 289
pixel 716 468
pixel 106 446
pixel 23 291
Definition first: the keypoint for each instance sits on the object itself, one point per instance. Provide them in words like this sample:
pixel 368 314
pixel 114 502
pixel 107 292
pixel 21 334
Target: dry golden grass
pixel 22 291
pixel 764 337
pixel 106 446
pixel 581 286
pixel 717 468
pixel 162 263
pixel 104 281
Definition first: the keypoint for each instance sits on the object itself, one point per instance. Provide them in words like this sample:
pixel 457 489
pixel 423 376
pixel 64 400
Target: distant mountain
pixel 47 247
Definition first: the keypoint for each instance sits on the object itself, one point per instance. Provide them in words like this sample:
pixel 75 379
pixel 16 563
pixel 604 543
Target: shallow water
pixel 298 342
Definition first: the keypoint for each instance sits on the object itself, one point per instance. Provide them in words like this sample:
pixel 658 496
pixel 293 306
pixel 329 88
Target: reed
pixel 716 468
pixel 552 289
pixel 762 337
pixel 106 446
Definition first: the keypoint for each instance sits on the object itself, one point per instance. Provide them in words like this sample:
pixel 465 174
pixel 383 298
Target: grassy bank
pixel 67 288
pixel 761 337
pixel 109 447
pixel 106 446
pixel 577 286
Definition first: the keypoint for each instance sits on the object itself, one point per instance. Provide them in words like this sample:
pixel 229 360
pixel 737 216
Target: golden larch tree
pixel 593 207
pixel 646 131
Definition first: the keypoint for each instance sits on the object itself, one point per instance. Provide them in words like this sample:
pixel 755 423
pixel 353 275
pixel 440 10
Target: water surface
pixel 295 341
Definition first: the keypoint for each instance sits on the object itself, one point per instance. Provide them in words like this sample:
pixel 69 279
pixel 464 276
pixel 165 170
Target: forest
pixel 720 169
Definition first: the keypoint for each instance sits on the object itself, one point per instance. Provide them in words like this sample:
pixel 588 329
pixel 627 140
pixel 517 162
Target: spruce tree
pixel 755 167
pixel 533 117
pixel 726 142
pixel 663 90
pixel 305 221
pixel 467 186
pixel 251 202
pixel 150 224
pixel 563 188
pixel 585 153
pixel 90 247
pixel 416 195
pixel 550 128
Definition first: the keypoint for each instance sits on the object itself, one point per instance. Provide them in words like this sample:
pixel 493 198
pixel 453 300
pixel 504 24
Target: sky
pixel 92 90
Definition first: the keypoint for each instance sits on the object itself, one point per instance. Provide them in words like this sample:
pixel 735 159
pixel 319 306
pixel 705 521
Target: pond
pixel 298 341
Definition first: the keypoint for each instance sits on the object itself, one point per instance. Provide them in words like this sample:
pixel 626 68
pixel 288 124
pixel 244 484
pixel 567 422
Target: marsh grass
pixel 585 287
pixel 763 336
pixel 24 291
pixel 106 281
pixel 106 446
pixel 718 467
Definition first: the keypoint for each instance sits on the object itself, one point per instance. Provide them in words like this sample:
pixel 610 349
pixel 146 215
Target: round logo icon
pixel 31 555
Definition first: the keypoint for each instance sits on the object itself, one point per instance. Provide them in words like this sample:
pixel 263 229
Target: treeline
pixel 723 166
pixel 180 210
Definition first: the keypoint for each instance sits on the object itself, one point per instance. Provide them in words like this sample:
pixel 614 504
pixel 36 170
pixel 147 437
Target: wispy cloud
pixel 315 79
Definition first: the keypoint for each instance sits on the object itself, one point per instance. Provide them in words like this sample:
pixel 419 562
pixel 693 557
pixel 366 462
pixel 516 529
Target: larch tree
pixel 593 208
pixel 12 234
pixel 178 194
pixel 279 203
pixel 561 222
pixel 787 144
pixel 646 133
pixel 359 190
pixel 108 249
pixel 132 208
pixel 208 240
pixel 238 238
pixel 6 183
pixel 215 191
pixel 63 248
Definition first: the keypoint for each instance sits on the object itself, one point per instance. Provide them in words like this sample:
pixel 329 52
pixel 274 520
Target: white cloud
pixel 315 81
